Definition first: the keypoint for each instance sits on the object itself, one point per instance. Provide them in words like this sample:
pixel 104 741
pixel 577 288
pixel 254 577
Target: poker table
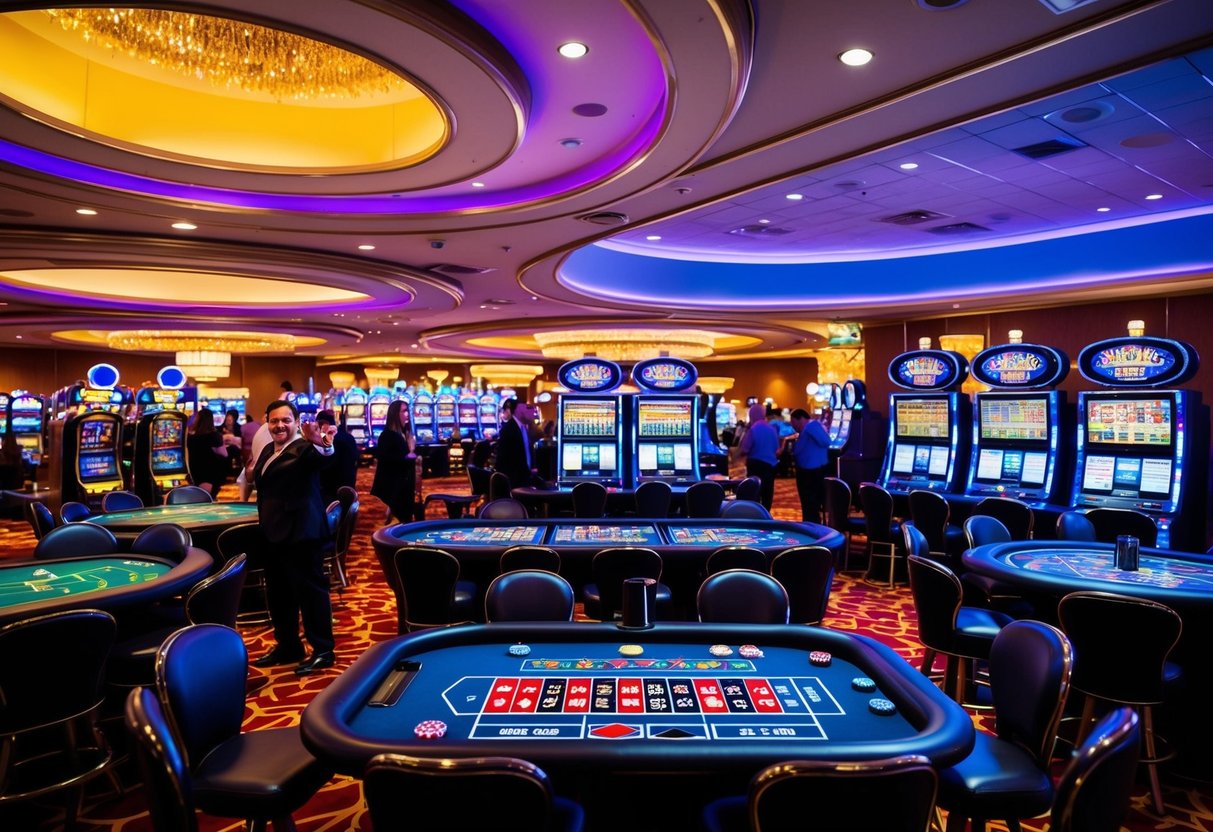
pixel 684 545
pixel 204 521
pixel 107 582
pixel 545 501
pixel 576 702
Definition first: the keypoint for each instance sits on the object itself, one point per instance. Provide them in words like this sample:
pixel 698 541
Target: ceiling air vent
pixel 957 228
pixel 455 270
pixel 605 218
pixel 1053 147
pixel 913 217
pixel 756 230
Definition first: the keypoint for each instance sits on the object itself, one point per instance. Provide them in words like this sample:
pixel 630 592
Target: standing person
pixel 247 431
pixel 208 461
pixel 760 447
pixel 811 454
pixel 293 523
pixel 261 438
pixel 395 466
pixel 514 445
pixel 344 468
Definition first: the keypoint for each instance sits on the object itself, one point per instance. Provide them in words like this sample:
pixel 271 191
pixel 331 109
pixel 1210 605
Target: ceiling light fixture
pixel 626 344
pixel 653 237
pixel 908 166
pixel 856 57
pixel 506 375
pixel 174 340
pixel 1153 196
pixel 570 143
pixel 184 226
pixel 366 247
pixel 573 49
pixel 794 197
pixel 86 212
pixel 477 184
pixel 1103 210
pixel 205 365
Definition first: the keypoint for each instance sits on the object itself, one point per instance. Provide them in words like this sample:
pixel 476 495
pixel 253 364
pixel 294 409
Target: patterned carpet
pixel 365 614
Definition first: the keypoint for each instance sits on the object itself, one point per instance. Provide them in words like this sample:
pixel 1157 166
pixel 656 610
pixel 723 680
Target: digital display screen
pixel 168 459
pixel 922 418
pixel 1156 476
pixel 26 424
pixel 940 455
pixel 735 536
pixel 989 464
pixel 423 413
pixel 588 417
pixel 844 425
pixel 903 459
pixel 1127 476
pixel 662 419
pixel 425 435
pixel 1035 466
pixel 98 466
pixel 355 411
pixel 378 411
pixel 588 457
pixel 1147 421
pixel 599 535
pixel 97 434
pixel 467 414
pixel 444 411
pixel 663 458
pixel 1097 474
pixel 508 535
pixel 167 433
pixel 1025 419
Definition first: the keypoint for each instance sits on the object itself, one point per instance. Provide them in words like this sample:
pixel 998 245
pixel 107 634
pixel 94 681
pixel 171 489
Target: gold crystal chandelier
pixel 175 340
pixel 627 345
pixel 232 55
pixel 205 365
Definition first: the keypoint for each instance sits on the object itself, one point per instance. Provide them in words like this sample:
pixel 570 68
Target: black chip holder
pixel 394 685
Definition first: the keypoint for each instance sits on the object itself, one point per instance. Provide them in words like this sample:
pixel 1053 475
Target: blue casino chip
pixel 882 707
pixel 519 650
pixel 863 684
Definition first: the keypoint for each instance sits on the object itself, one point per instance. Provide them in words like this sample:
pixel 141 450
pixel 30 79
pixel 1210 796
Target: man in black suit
pixel 343 470
pixel 291 512
pixel 514 445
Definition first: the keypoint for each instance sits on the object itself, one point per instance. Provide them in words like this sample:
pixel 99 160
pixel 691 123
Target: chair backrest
pixel 877 505
pixel 345 530
pixel 930 513
pixel 937 595
pixel 478 790
pixel 40 518
pixel 1094 790
pixel 166 540
pixel 1017 516
pixel 167 786
pixel 807 574
pixel 1030 665
pixel 503 508
pixel 332 519
pixel 653 499
pixel 529 595
pixel 742 596
pixel 427 585
pixel 241 539
pixel 704 498
pixel 892 795
pixel 121 501
pixel 736 557
pixel 201 671
pixel 1120 644
pixel 36 691
pixel 981 529
pixel 1111 522
pixel 185 494
pixel 529 557
pixel 216 600
pixel 744 510
pixel 611 567
pixel 478 480
pixel 837 503
pixel 76 539
pixel 589 499
pixel 73 512
pixel 347 495
pixel 499 486
pixel 750 489
pixel 916 541
pixel 1074 525
pixel 482 452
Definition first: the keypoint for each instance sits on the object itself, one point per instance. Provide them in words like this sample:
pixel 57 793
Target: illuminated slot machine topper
pixel 490 415
pixel 665 416
pixel 928 431
pixel 423 419
pixel 444 417
pixel 468 414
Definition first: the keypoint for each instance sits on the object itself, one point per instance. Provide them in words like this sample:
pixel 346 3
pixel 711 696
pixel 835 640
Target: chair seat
pixel 593 600
pixel 727 814
pixel 269 769
pixel 975 631
pixel 133 662
pixel 997 780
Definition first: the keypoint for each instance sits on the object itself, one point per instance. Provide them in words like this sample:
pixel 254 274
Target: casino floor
pixel 365 614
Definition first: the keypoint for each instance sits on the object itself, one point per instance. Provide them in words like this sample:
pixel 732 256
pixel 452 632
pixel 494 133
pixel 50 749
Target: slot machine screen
pixel 98 466
pixel 26 424
pixel 167 459
pixel 166 433
pixel 378 411
pixel 1127 476
pixel 355 411
pixel 663 459
pixel 589 417
pixel 31 448
pixel 96 435
pixel 588 459
pixel 663 419
pixel 844 426
pixel 444 411
pixel 1014 420
pixel 923 418
pixel 467 415
pixel 1145 422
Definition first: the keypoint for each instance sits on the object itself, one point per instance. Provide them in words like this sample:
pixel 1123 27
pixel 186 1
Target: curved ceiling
pixel 645 183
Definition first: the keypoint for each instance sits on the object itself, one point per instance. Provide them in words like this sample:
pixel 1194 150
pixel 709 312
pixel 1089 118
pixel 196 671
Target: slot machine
pixel 929 428
pixel 848 421
pixel 161 459
pixel 4 401
pixel 1017 446
pixel 353 411
pixel 665 422
pixel 24 419
pixel 1140 445
pixel 377 403
pixel 305 402
pixel 467 411
pixel 444 417
pixel 589 424
pixel 90 464
pixel 490 415
pixel 423 418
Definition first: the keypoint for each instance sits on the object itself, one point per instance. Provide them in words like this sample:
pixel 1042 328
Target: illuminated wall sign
pixel 171 377
pixel 664 375
pixel 103 376
pixel 590 375
pixel 929 370
pixel 1020 366
pixel 1138 362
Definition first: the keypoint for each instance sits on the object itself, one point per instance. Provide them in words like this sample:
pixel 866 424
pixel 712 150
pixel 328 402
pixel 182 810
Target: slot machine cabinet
pixel 24 418
pixel 490 415
pixel 590 424
pixel 468 417
pixel 161 457
pixel 665 422
pixel 929 428
pixel 353 411
pixel 90 464
pixel 1143 444
pixel 444 417
pixel 377 403
pixel 1019 427
pixel 423 418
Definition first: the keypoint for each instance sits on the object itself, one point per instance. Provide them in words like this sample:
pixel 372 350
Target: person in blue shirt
pixel 760 447
pixel 811 454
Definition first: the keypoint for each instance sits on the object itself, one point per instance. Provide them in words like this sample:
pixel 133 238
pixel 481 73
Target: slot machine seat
pixel 40 519
pixel 120 501
pixel 931 515
pixel 589 500
pixel 807 573
pixel 736 557
pixel 837 514
pixel 603 596
pixel 653 499
pixel 1074 525
pixel 76 540
pixel 742 596
pixel 882 532
pixel 187 494
pixel 1109 523
pixel 529 595
pixel 1016 516
pixel 704 499
pixel 73 512
pixel 428 590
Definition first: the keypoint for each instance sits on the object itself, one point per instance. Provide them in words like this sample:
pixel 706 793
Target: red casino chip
pixel 820 658
pixel 430 729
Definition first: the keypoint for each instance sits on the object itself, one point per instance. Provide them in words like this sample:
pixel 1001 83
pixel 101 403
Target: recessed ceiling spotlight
pixel 1103 210
pixel 366 247
pixel 856 57
pixel 534 297
pixel 764 222
pixel 18 337
pixel 570 143
pixel 908 166
pixel 1153 196
pixel 413 346
pixel 184 226
pixel 477 184
pixel 87 212
pixel 573 49
pixel 794 197
pixel 653 237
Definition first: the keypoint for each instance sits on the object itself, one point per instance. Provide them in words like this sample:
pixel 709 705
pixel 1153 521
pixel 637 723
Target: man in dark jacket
pixel 514 446
pixel 343 470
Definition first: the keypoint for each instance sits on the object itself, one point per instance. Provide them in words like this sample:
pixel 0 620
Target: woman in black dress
pixel 395 466
pixel 208 460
